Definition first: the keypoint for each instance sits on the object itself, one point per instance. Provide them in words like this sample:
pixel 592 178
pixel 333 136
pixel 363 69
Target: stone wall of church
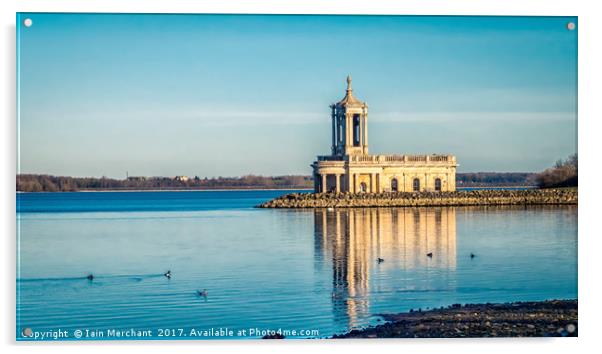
pixel 378 178
pixel 402 179
pixel 425 178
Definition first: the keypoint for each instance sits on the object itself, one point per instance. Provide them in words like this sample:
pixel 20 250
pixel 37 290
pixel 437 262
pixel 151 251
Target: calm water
pixel 273 269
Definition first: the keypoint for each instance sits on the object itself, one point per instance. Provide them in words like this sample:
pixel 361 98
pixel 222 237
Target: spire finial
pixel 349 82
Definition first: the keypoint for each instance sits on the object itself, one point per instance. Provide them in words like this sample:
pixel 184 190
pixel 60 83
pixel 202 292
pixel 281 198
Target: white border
pixel 590 115
pixel 407 7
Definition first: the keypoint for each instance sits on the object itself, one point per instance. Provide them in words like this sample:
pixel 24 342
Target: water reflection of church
pixel 354 239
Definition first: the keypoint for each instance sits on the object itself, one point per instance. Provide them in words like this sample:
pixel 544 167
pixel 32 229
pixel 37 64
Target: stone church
pixel 350 168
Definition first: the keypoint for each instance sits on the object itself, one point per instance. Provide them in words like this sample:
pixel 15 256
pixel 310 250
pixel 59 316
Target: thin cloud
pixel 472 116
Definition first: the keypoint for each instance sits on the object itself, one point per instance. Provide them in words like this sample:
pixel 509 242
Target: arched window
pixel 416 185
pixel 394 187
pixel 356 130
pixel 438 184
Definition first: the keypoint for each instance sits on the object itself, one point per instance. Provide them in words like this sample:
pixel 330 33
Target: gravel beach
pixel 552 318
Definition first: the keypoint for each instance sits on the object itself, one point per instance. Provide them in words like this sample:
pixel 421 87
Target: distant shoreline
pixel 176 190
pixel 242 189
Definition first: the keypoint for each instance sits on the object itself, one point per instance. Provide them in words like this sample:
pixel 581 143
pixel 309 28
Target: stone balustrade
pixel 390 158
pixel 331 158
pixel 402 158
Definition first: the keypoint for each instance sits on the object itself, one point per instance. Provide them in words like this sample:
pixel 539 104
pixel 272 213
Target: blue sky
pixel 227 95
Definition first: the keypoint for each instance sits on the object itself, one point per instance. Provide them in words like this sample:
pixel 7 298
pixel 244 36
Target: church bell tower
pixel 349 125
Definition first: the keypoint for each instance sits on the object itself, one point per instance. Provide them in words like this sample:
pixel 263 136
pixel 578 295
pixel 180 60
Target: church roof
pixel 349 99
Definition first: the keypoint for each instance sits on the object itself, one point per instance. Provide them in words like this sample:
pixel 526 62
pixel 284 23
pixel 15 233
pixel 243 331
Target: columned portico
pixel 330 181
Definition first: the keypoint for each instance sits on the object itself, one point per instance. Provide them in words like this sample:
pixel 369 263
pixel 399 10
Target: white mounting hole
pixel 570 26
pixel 28 22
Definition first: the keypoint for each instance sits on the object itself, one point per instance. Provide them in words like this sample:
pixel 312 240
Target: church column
pixel 342 131
pixel 364 124
pixel 349 182
pixel 361 124
pixel 338 183
pixel 373 183
pixel 323 184
pixel 334 130
pixel 356 183
pixel 404 183
pixel 348 131
pixel 365 131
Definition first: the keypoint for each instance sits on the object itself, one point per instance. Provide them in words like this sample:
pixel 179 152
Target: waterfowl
pixel 472 255
pixel 90 277
pixel 202 293
pixel 430 254
pixel 167 274
pixel 380 260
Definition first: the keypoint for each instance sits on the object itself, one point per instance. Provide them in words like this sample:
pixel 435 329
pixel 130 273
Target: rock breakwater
pixel 423 199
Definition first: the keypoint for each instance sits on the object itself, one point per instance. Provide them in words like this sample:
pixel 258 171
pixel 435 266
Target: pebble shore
pixel 422 199
pixel 552 318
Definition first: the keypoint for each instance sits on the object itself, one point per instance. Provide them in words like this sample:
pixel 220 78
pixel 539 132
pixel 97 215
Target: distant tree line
pixel 47 183
pixel 563 174
pixel 498 179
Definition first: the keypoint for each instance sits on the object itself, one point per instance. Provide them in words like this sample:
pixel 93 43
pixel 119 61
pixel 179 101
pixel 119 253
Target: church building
pixel 350 168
